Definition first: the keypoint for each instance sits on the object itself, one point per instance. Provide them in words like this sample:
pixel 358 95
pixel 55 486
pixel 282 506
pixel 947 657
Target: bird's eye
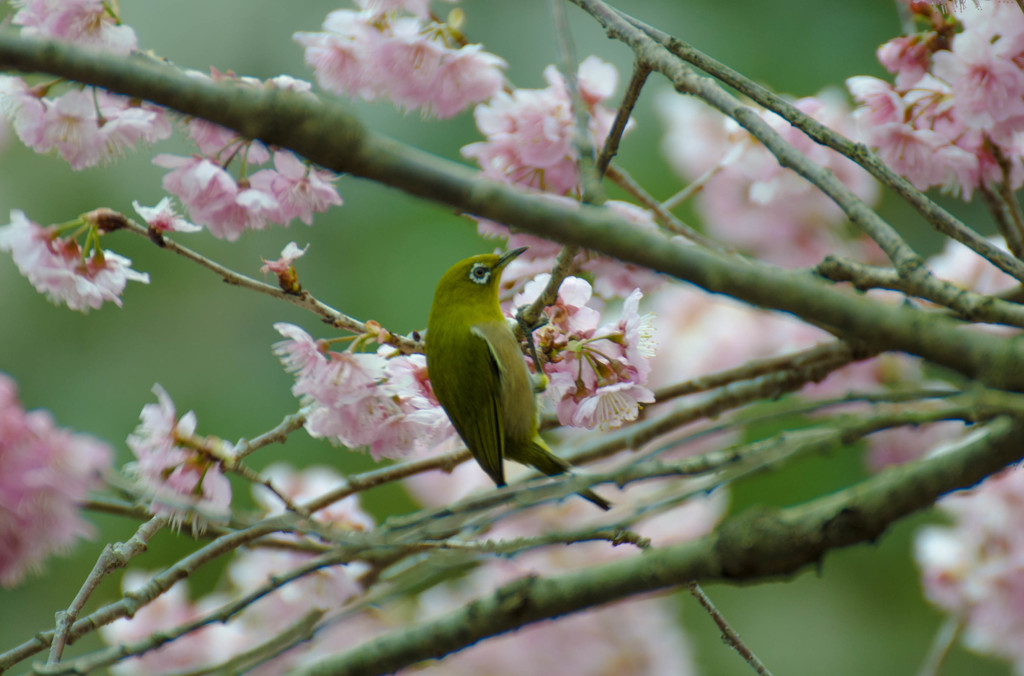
pixel 479 273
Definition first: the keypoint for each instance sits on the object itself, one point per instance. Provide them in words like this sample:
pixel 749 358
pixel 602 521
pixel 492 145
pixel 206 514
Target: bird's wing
pixel 518 401
pixel 478 416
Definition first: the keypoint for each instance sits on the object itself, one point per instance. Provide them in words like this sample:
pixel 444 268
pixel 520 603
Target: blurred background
pixel 378 257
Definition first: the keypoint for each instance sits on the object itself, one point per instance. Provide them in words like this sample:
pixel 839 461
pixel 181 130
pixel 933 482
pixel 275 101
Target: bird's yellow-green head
pixel 472 284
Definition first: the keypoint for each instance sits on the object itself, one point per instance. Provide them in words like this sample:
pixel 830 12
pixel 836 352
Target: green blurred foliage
pixel 377 258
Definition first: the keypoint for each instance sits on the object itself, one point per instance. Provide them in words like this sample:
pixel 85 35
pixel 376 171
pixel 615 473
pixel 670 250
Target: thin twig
pixel 729 635
pixel 663 216
pixel 113 557
pixel 303 299
pixel 972 307
pixel 277 435
pixel 941 646
pixel 629 98
pixel 698 183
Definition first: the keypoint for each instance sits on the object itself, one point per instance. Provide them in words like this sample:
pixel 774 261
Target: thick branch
pixel 755 544
pixel 329 136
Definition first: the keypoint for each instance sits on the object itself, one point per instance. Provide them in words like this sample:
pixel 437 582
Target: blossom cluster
pixel 85 127
pixel 45 475
pixel 750 200
pixel 89 126
pixel 227 206
pixel 955 109
pixel 410 59
pixel 176 470
pixel 380 400
pixel 91 23
pixel 531 133
pixel 597 374
pixel 62 269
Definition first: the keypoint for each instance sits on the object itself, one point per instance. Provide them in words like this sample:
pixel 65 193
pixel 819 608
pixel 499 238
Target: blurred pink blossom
pixel 973 567
pixel 212 644
pixel 409 60
pixel 45 475
pixel 179 480
pixel 84 22
pixel 752 201
pixel 306 484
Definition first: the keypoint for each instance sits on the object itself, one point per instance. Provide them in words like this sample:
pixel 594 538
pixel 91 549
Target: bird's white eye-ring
pixel 479 273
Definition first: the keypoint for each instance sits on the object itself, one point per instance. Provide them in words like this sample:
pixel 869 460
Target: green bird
pixel 479 374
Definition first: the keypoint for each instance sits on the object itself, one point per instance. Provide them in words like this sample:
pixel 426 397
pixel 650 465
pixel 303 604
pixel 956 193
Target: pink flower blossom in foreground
pixel 406 59
pixel 179 480
pixel 598 374
pixel 530 133
pixel 299 189
pixel 83 127
pixel 45 474
pixel 214 198
pixel 164 218
pixel 58 268
pixel 972 568
pixel 752 201
pixel 83 22
pixel 210 645
pixel 382 401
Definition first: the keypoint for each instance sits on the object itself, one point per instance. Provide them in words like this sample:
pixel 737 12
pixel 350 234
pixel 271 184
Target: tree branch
pixel 328 135
pixel 758 543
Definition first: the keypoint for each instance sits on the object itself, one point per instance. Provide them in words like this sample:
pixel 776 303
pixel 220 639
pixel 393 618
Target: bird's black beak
pixel 509 256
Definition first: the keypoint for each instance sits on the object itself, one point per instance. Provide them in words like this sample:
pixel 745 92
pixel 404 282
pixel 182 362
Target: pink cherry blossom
pixel 284 267
pixel 419 8
pixel 958 95
pixel 45 475
pixel 987 86
pixel 530 132
pixel 58 268
pixel 382 401
pixel 409 60
pixel 179 480
pixel 214 198
pixel 597 373
pixel 299 189
pixel 84 22
pixel 339 55
pixel 907 57
pixel 164 218
pixel 84 127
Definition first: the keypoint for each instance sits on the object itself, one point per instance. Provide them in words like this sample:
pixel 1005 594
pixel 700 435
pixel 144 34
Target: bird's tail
pixel 537 454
